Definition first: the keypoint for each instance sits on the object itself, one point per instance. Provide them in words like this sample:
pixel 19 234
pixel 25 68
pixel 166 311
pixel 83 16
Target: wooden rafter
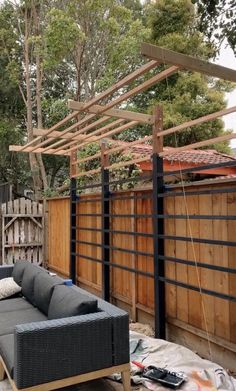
pixel 99 121
pixel 140 88
pixel 125 81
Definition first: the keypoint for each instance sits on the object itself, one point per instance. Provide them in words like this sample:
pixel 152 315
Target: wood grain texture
pixel 182 304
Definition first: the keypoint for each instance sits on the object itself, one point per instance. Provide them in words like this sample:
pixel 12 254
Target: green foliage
pixel 13 167
pixel 186 95
pixel 217 19
pixel 85 46
pixel 61 35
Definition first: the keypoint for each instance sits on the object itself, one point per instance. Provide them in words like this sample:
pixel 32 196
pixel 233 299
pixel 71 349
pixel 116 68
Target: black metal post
pixel 159 267
pixel 73 199
pixel 158 225
pixel 105 235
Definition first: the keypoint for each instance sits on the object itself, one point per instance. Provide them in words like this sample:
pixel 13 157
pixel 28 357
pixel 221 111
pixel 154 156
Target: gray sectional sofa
pixel 53 335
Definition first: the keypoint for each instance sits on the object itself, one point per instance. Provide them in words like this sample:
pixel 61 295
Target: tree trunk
pixel 39 76
pixel 32 158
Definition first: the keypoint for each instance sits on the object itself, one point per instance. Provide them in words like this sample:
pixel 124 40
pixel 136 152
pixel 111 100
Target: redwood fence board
pixel 182 305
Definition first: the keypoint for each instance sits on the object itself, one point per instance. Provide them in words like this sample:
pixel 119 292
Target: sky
pixel 228 59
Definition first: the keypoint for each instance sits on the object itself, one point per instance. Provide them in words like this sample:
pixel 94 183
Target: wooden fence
pixel 190 316
pixel 22 231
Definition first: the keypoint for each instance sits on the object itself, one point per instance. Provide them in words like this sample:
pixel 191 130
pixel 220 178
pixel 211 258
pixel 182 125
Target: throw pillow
pixel 8 288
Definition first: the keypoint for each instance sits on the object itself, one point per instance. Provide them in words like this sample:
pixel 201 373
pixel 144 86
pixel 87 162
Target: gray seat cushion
pixel 8 320
pixel 66 302
pixel 18 271
pixel 7 352
pixel 43 289
pixel 30 273
pixel 16 304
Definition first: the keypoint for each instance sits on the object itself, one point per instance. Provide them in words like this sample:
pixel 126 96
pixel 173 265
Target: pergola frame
pixel 94 123
pixel 103 121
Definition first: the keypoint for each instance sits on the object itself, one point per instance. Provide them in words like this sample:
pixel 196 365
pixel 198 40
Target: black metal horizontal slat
pixel 195 288
pixel 126 268
pixel 144 234
pixel 149 216
pixel 114 248
pixel 198 168
pixel 134 216
pixel 198 264
pixel 197 217
pixel 114 198
pixel 87 229
pixel 192 193
pixel 199 240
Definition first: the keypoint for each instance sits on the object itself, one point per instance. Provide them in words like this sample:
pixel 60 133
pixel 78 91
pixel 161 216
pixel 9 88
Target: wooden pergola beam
pixel 197 121
pixel 126 80
pixel 114 166
pixel 129 115
pixel 107 134
pixel 140 88
pixel 167 56
pixel 200 144
pixel 90 136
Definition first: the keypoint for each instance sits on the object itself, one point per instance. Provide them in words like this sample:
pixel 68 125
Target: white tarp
pixel 201 374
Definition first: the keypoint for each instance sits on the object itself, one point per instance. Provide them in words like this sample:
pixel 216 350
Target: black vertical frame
pixel 158 229
pixel 105 235
pixel 158 225
pixel 73 203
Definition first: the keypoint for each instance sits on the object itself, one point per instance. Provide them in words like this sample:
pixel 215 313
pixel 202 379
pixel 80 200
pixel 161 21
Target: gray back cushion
pixel 66 302
pixel 18 271
pixel 43 288
pixel 30 273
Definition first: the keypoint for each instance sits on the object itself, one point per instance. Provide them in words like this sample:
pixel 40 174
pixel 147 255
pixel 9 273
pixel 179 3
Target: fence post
pixel 73 218
pixel 158 225
pixel 105 224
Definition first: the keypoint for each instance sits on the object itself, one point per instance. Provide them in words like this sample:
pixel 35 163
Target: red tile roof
pixel 207 156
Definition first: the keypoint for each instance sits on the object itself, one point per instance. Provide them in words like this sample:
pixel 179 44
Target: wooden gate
pixel 22 231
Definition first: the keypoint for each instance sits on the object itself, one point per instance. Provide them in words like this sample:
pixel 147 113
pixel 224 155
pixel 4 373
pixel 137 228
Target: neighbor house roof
pixel 187 158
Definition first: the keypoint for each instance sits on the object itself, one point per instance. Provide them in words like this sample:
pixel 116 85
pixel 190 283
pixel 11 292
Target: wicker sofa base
pixel 69 381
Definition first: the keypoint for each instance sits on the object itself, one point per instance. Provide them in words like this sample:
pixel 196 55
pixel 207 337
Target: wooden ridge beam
pixel 125 114
pixel 167 56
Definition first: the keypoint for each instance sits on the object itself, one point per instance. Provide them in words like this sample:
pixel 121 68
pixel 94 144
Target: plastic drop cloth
pixel 200 374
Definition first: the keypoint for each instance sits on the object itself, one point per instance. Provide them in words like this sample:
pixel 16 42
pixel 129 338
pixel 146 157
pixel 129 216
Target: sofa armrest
pixel 6 271
pixel 56 349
